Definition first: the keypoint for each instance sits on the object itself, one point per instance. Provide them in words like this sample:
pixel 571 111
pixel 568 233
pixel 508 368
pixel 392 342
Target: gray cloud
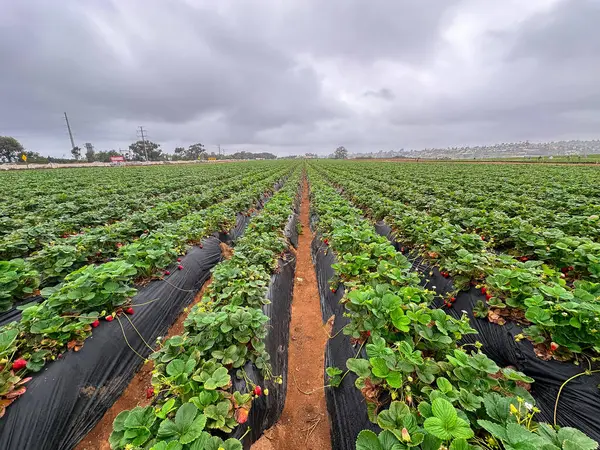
pixel 299 75
pixel 383 93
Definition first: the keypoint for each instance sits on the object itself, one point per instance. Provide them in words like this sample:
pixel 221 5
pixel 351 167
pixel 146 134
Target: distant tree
pixel 76 152
pixel 250 155
pixel 195 150
pixel 105 156
pixel 89 152
pixel 192 153
pixel 179 153
pixel 10 149
pixel 340 153
pixel 139 151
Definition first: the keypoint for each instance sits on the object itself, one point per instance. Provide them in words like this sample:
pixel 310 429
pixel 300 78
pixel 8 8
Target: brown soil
pixel 304 423
pixel 134 395
pixel 226 250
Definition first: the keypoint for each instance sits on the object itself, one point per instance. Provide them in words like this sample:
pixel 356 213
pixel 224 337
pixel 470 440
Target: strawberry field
pixel 474 322
pixel 463 301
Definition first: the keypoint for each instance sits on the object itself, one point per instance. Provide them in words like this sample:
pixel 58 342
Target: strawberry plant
pixel 18 279
pixel 151 252
pixel 172 223
pixel 144 427
pixel 469 250
pixel 72 308
pixel 444 394
pixel 223 332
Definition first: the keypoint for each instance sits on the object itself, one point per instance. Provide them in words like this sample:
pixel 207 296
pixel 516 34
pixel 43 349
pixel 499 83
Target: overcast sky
pixel 291 76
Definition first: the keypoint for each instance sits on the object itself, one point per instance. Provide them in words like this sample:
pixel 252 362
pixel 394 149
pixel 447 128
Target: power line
pixel 143 141
pixel 70 134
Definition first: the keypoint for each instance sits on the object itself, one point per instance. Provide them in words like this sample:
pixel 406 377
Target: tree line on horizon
pixel 11 151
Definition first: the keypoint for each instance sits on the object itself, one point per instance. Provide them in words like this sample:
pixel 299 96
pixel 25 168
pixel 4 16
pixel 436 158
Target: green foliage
pixel 464 226
pixel 225 331
pixel 104 287
pixel 10 149
pixel 444 395
pixel 17 279
pixel 146 151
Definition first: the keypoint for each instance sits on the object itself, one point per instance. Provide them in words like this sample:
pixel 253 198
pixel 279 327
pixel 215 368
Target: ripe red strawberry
pixel 180 267
pixel 564 269
pixel 483 290
pixel 488 296
pixel 571 268
pixel 333 291
pixel 109 318
pixel 95 323
pixel 257 390
pixel 326 241
pixel 167 272
pixel 178 259
pixel 452 299
pixel 368 333
pixel 482 238
pixel 149 392
pixel 129 311
pixel 524 258
pixel 553 346
pixel 19 364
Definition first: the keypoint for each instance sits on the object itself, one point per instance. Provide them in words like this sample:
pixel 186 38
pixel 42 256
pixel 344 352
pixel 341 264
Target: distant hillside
pixel 504 150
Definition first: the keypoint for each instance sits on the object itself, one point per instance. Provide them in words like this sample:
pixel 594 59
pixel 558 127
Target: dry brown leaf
pixel 16 393
pixel 329 325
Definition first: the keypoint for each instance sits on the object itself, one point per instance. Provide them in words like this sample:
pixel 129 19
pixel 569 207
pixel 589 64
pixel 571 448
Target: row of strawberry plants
pixel 95 210
pixel 438 394
pixel 19 278
pixel 564 316
pixel 534 236
pixel 66 318
pixel 30 236
pixel 100 199
pixel 42 191
pixel 545 197
pixel 192 372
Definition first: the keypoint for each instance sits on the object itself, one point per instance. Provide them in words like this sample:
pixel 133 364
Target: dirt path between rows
pixel 304 423
pixel 135 393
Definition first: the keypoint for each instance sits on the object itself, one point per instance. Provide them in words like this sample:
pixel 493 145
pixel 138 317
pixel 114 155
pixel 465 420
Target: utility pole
pixel 144 141
pixel 70 134
pixel 219 145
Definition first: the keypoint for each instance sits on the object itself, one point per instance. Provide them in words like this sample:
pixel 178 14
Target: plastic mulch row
pixel 579 404
pixel 68 397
